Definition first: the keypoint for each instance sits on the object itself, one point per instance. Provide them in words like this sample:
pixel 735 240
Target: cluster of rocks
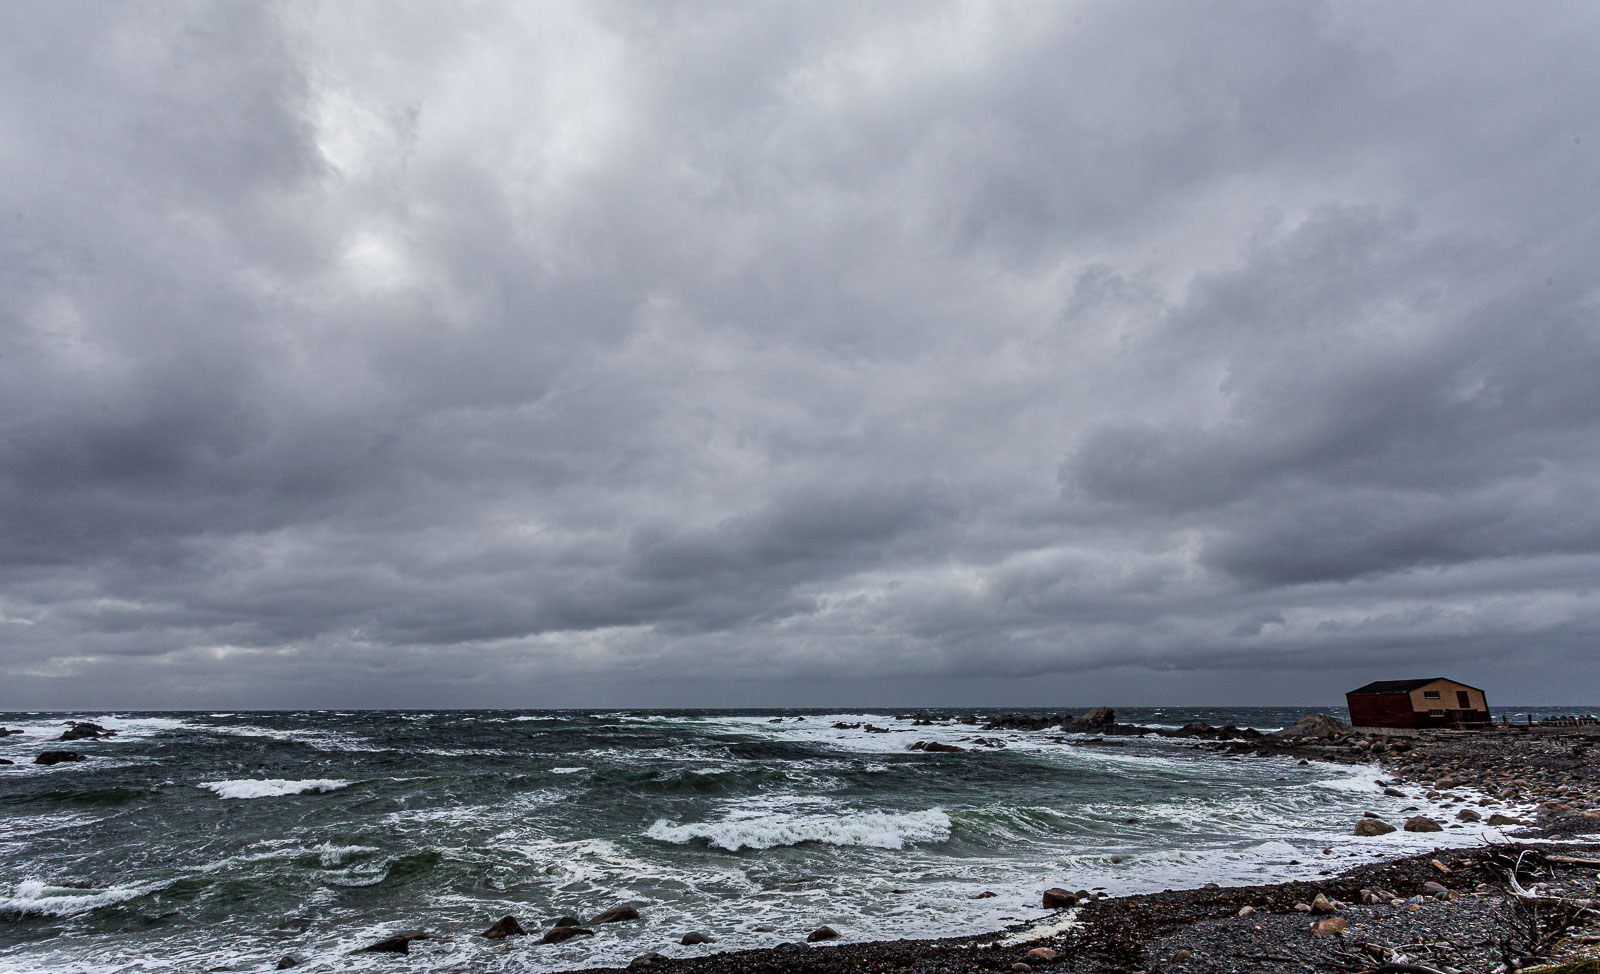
pixel 86 731
pixel 1557 770
pixel 561 929
pixel 76 731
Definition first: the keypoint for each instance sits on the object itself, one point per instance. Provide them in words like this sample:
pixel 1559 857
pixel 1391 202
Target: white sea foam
pixel 880 830
pixel 271 787
pixel 35 896
pixel 567 770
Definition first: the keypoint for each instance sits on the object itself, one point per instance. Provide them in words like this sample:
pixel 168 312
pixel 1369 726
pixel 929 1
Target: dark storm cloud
pixel 683 354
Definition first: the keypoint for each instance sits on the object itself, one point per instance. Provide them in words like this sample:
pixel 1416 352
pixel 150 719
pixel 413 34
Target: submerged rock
pixel 616 914
pixel 567 922
pixel 695 937
pixel 645 960
pixel 287 961
pixel 506 927
pixel 398 944
pixel 556 935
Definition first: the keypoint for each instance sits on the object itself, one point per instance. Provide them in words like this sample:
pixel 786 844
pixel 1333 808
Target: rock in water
pixel 287 961
pixel 7 731
pixel 400 944
pixel 1422 823
pixel 695 937
pixel 1498 819
pixel 567 922
pixel 1057 898
pixel 822 933
pixel 56 757
pixel 1373 826
pixel 557 934
pixel 1327 925
pixel 615 915
pixel 1099 717
pixel 1468 815
pixel 943 747
pixel 507 927
pixel 82 730
pixel 6 761
pixel 645 960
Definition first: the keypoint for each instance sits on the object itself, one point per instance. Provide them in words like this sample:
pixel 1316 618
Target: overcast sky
pixel 592 354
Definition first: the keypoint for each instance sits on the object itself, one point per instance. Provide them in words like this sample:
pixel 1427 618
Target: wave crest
pixel 271 787
pixel 876 829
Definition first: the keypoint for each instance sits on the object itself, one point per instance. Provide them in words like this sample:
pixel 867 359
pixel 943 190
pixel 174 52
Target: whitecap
pixel 880 830
pixel 35 896
pixel 271 787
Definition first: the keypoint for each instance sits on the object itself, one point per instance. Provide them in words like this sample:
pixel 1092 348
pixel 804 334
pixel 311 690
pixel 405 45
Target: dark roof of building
pixel 1405 686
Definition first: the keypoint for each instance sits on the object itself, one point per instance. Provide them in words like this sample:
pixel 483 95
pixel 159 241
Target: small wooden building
pixel 1431 702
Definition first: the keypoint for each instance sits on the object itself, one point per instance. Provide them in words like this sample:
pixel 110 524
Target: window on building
pixel 1430 694
pixel 1435 713
pixel 1462 700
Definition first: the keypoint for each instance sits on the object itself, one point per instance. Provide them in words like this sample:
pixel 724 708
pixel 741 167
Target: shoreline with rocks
pixel 1498 908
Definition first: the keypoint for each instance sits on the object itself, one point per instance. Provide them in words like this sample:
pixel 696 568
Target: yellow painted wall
pixel 1447 697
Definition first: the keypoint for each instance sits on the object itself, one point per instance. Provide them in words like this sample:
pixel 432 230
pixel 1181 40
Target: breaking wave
pixel 36 897
pixel 877 829
pixel 271 787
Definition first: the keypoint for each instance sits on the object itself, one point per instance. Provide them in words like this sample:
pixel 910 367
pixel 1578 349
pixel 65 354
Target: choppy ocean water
pixel 227 840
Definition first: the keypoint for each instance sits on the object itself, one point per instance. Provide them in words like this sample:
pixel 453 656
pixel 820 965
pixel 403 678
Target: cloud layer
pixel 580 354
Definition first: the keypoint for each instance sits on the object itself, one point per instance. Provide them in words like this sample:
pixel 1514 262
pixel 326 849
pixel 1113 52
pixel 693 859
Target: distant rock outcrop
pixel 56 757
pixel 83 730
pixel 1319 727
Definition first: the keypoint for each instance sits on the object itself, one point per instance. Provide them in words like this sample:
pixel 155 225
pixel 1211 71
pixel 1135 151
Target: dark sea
pixel 225 841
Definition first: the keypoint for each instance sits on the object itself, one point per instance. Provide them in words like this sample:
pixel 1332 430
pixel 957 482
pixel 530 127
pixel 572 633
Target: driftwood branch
pixel 1533 895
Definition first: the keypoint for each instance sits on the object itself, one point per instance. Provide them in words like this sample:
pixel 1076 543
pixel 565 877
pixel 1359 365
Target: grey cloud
pixel 349 353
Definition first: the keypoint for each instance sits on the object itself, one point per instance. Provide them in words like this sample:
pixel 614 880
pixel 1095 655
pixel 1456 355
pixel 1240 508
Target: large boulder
pixel 506 927
pixel 1319 727
pixel 616 914
pixel 1098 717
pixel 1373 826
pixel 1057 898
pixel 56 757
pixel 1422 823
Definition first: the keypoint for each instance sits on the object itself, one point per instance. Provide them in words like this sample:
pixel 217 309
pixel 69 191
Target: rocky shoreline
pixel 1441 912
